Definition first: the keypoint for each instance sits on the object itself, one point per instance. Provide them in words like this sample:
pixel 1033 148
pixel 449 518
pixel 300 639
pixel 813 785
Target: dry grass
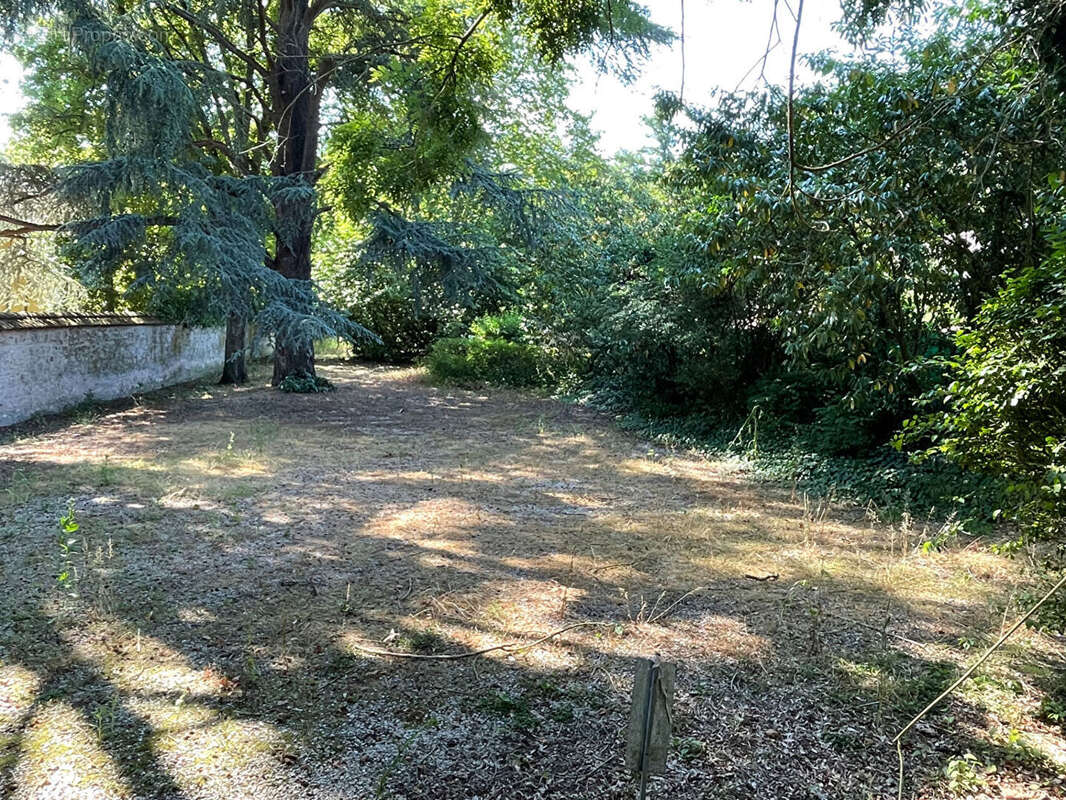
pixel 235 547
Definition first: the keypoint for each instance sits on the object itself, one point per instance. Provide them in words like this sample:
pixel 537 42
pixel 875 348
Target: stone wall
pixel 44 369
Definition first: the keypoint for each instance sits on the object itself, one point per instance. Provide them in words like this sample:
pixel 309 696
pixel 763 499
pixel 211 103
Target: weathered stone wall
pixel 44 370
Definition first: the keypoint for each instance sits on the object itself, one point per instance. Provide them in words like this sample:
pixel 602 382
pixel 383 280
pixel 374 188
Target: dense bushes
pixel 406 332
pixel 302 383
pixel 494 352
pixel 406 322
pixel 476 360
pixel 668 350
pixel 1002 408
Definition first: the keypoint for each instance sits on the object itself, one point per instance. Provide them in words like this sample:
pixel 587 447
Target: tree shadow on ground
pixel 229 578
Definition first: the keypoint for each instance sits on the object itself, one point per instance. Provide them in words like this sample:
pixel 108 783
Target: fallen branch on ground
pixel 616 566
pixel 676 603
pixel 981 660
pixel 510 647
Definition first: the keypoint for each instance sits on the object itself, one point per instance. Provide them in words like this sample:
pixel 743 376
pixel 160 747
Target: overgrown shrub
pixel 406 319
pixel 506 326
pixel 1003 412
pixel 305 384
pixel 677 349
pixel 406 331
pixel 495 352
pixel 469 361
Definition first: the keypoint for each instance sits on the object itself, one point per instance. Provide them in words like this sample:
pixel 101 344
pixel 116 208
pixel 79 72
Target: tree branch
pixel 23 227
pixel 899 133
pixel 792 116
pixel 220 38
pixel 510 647
pixel 321 6
pixel 454 63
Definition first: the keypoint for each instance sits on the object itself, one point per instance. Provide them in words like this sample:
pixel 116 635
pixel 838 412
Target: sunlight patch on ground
pixel 709 638
pixel 207 754
pixel 141 664
pixel 428 518
pixel 18 688
pixel 61 757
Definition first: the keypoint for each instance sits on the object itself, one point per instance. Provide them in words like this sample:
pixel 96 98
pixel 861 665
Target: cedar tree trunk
pixel 234 369
pixel 296 104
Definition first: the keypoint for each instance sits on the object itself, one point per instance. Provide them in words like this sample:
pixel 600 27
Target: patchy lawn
pixel 204 631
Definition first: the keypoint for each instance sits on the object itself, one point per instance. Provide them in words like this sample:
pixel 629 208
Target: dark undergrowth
pixel 882 478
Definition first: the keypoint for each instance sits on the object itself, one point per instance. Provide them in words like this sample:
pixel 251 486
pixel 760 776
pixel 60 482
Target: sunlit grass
pixel 62 751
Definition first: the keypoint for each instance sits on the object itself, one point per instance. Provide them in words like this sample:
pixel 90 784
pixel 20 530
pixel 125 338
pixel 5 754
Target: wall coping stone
pixel 21 322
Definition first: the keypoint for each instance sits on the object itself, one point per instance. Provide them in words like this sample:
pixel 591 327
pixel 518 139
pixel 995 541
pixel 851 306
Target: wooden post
pixel 648 739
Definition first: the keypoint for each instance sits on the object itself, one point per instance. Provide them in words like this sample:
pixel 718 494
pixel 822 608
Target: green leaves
pixel 1002 411
pixel 68 525
pixel 193 173
pixel 618 31
pixel 305 384
pixel 495 352
pixel 905 202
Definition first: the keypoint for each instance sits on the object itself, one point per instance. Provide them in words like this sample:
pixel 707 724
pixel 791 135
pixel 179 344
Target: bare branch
pixel 792 116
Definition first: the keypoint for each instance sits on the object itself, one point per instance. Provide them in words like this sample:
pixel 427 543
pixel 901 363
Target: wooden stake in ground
pixel 648 738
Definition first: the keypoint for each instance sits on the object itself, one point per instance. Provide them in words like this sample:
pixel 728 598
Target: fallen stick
pixel 511 647
pixel 616 566
pixel 898 740
pixel 676 603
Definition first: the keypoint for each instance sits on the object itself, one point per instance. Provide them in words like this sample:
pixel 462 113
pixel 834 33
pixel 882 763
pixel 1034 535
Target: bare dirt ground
pixel 203 633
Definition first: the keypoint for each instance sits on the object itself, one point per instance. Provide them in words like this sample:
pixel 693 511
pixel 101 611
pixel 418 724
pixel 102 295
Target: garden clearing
pixel 204 626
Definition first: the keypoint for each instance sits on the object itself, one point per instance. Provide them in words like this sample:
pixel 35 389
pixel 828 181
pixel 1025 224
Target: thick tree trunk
pixel 234 369
pixel 296 100
pixel 294 355
pixel 292 358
